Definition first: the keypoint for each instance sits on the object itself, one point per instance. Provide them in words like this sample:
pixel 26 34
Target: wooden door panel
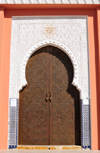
pixel 34 110
pixel 55 121
pixel 62 130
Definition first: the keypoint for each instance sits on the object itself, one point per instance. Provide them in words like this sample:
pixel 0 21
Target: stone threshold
pixel 50 147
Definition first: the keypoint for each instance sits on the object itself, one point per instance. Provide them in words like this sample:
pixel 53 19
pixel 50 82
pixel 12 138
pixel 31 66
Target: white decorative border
pixel 49 1
pixel 70 36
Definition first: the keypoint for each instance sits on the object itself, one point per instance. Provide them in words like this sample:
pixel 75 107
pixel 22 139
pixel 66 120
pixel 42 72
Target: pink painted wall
pixel 5 40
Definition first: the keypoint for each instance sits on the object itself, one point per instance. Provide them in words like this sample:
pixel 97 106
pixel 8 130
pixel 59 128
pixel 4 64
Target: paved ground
pixel 48 151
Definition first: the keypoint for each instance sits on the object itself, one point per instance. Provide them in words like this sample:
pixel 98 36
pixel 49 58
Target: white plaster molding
pixel 39 45
pixel 50 1
pixel 31 33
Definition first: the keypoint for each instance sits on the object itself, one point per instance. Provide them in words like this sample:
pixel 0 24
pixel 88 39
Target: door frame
pixel 85 107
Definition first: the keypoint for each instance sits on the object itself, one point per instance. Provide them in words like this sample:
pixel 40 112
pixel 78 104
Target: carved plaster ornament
pixel 64 48
pixel 32 33
pixel 49 30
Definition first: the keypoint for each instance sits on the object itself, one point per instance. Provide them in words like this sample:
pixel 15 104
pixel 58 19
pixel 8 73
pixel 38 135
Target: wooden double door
pixel 49 111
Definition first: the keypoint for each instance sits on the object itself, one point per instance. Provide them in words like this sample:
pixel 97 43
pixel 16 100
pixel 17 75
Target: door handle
pixel 47 97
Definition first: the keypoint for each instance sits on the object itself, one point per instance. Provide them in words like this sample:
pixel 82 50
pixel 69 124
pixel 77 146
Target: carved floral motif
pixel 49 30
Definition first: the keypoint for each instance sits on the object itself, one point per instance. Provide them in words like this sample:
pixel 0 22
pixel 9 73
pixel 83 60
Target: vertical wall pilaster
pixel 98 102
pixel 5 37
pixel 1 39
pixel 3 131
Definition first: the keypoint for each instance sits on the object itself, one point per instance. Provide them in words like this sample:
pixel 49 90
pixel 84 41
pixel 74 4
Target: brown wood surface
pixel 49 109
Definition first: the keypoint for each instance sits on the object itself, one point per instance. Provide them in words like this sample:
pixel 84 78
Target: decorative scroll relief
pixel 68 34
pixel 34 48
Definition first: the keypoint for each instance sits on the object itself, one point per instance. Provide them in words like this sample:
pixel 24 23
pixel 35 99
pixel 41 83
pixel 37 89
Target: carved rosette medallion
pixel 49 30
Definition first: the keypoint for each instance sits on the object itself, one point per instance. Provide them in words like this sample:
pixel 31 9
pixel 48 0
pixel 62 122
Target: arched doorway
pixel 49 106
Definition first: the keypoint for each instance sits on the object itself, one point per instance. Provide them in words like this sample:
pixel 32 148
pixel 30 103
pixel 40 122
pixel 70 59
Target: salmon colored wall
pixel 5 38
pixel 4 79
pixel 98 44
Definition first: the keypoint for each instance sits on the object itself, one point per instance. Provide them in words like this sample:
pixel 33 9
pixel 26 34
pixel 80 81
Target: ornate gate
pixel 49 108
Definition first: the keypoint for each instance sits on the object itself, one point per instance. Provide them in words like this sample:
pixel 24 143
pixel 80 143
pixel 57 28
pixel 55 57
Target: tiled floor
pixel 48 151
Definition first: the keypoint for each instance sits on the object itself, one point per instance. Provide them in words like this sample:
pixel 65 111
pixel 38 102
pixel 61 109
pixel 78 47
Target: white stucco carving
pixel 27 37
pixel 22 77
pixel 50 1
